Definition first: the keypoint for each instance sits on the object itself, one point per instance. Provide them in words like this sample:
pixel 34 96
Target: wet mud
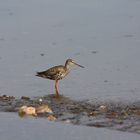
pixel 121 116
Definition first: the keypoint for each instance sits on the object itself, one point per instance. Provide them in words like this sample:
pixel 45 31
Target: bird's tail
pixel 38 74
pixel 41 74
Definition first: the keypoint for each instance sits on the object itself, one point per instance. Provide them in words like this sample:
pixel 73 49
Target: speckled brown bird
pixel 58 72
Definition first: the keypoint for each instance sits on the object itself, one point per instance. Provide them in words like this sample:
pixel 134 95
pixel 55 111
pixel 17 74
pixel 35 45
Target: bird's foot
pixel 57 94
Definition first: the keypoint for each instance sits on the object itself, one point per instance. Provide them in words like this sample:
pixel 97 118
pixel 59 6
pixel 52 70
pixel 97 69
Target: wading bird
pixel 58 72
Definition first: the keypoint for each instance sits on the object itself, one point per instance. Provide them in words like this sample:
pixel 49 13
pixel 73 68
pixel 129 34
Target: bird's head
pixel 69 63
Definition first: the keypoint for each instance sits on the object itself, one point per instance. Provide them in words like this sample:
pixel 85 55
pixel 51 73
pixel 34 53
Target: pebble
pixel 103 108
pixel 51 118
pixel 44 109
pixel 25 98
pixel 40 100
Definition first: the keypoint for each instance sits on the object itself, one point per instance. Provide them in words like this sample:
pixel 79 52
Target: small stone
pixel 68 121
pixel 25 98
pixel 40 100
pixel 43 109
pixel 103 108
pixel 51 118
pixel 93 113
pixel 42 54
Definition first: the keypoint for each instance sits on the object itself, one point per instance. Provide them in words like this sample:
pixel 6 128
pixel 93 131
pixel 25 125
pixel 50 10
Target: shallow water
pixel 14 127
pixel 102 36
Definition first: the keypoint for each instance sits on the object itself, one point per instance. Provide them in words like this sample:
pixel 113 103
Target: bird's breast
pixel 61 75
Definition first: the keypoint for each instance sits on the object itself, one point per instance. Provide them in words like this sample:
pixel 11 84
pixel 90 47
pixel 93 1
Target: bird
pixel 58 72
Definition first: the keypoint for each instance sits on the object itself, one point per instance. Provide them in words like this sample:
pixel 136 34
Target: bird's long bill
pixel 79 65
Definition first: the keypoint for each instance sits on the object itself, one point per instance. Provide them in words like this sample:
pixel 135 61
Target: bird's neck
pixel 68 67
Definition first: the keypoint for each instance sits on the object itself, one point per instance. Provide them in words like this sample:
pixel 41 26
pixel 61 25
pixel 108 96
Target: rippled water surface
pixel 103 36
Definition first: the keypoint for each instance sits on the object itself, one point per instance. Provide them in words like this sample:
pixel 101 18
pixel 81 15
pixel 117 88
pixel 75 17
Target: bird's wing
pixel 51 73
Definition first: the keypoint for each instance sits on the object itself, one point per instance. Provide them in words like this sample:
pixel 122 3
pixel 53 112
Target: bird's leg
pixel 56 88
